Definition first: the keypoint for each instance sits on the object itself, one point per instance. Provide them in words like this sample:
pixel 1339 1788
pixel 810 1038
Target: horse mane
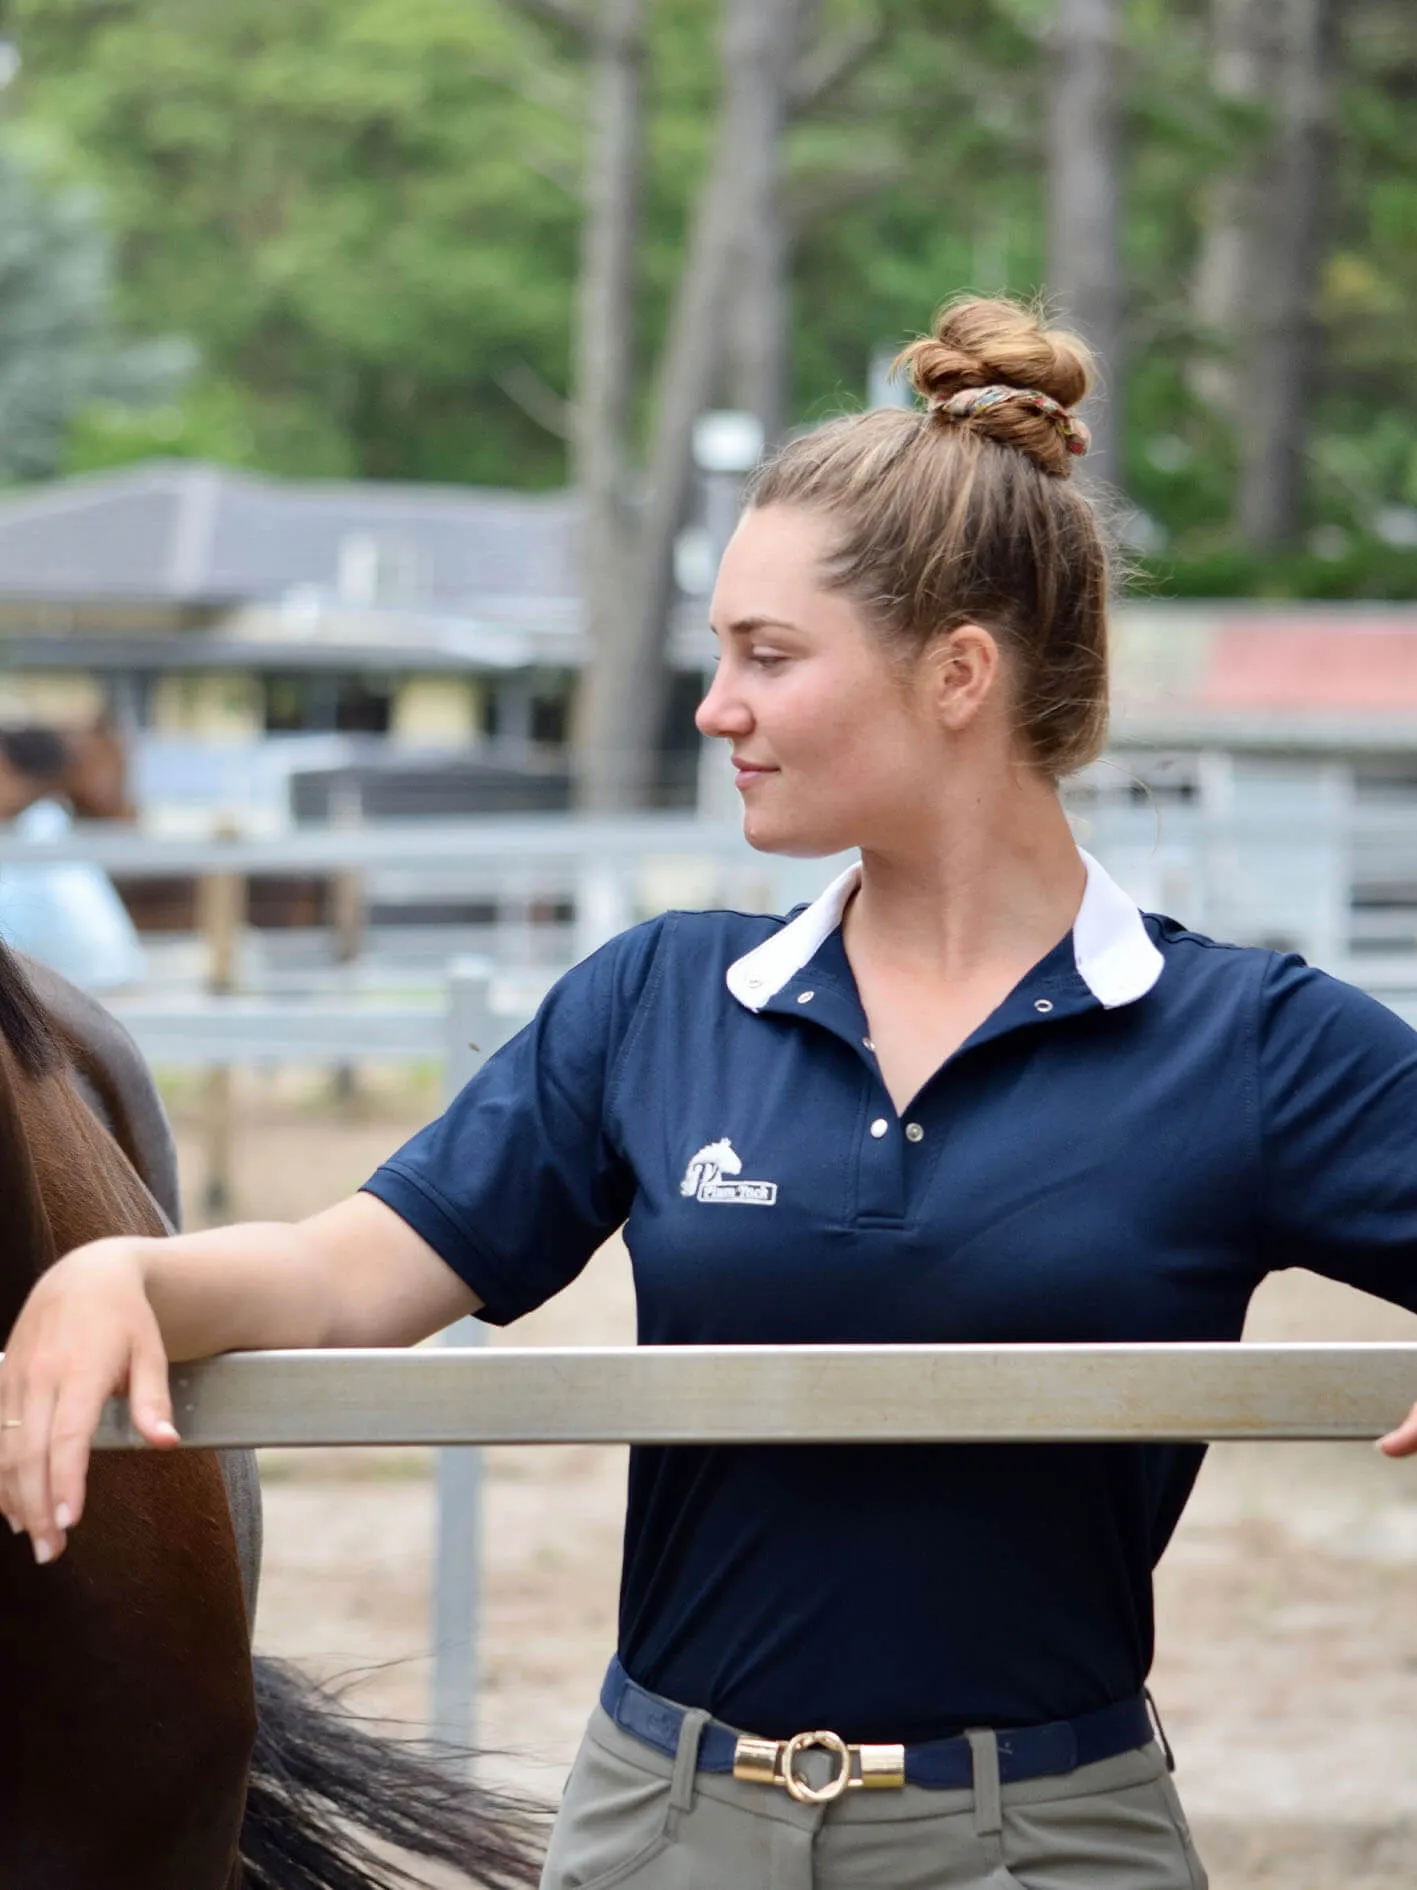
pixel 23 1023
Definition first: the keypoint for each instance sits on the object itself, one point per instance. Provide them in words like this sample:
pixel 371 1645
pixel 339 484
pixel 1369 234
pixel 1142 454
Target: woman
pixel 971 1094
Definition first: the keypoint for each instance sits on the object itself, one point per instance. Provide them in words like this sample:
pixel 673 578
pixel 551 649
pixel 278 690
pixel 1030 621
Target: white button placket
pixel 881 1190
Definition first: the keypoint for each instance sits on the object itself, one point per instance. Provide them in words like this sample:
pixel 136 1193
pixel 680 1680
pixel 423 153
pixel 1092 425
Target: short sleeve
pixel 1338 1114
pixel 520 1180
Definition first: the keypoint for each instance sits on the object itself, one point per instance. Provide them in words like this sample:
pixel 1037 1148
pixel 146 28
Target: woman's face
pixel 833 744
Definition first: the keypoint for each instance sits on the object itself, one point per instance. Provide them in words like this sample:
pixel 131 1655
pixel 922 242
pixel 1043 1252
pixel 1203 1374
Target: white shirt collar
pixel 1112 948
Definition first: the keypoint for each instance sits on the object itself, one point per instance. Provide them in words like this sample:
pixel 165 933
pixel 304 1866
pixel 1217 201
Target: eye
pixel 767 659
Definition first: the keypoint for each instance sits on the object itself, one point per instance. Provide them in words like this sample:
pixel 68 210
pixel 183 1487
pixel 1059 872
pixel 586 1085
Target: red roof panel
pixel 1311 665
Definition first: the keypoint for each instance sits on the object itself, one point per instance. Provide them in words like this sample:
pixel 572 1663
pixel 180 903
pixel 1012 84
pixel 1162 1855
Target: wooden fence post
pixel 221 914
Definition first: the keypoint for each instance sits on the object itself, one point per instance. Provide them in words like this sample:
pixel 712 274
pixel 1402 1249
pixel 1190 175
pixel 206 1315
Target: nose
pixel 722 711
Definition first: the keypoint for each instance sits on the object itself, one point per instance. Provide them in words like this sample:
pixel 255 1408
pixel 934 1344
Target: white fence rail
pixel 209 1032
pixel 518 839
pixel 813 1394
pixel 1290 863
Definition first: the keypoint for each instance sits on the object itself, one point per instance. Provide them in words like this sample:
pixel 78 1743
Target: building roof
pixel 182 532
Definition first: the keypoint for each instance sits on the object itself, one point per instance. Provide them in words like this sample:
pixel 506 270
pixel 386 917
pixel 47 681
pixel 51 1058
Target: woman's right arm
pixel 108 1317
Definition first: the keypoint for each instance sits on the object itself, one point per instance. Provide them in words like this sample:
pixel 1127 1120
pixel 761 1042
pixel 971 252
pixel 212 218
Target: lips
pixel 746 773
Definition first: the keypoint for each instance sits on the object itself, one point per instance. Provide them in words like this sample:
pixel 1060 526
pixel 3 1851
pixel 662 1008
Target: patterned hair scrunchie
pixel 970 401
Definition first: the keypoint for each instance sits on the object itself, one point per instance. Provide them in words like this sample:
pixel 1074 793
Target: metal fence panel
pixel 791 1394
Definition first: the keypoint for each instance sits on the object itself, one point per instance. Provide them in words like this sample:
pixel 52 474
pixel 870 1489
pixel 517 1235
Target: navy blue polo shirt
pixel 1145 1126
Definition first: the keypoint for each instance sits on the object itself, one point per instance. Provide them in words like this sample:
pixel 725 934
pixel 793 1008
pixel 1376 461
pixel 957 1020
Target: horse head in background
pixel 88 768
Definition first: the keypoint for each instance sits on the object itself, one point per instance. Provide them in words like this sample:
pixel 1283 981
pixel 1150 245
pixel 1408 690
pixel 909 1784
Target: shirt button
pixel 805 997
pixel 914 1132
pixel 879 1127
pixel 867 1041
pixel 1043 1004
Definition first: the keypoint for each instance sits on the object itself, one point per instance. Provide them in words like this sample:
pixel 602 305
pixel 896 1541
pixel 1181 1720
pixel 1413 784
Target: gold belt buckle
pixel 772 1762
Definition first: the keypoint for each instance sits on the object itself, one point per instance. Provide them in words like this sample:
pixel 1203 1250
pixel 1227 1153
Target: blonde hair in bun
pixel 977 343
pixel 964 512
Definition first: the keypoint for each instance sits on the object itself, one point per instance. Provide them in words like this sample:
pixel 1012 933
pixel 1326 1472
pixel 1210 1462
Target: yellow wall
pixel 216 707
pixel 437 711
pixel 54 699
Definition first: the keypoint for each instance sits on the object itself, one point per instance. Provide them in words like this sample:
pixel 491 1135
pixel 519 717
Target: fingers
pixel 149 1396
pixel 44 1460
pixel 75 1419
pixel 50 1415
pixel 1403 1441
pixel 26 1464
pixel 86 1332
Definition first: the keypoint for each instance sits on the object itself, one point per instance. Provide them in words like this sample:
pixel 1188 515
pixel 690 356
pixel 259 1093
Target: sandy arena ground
pixel 1287 1670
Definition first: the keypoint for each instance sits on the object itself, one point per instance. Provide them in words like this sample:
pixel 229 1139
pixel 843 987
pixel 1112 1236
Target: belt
pixel 940 1764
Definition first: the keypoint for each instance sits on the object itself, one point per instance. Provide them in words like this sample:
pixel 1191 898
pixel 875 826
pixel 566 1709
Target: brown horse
pixel 141 1748
pixel 88 768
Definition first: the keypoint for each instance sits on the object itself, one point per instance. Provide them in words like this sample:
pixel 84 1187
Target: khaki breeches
pixel 634 1819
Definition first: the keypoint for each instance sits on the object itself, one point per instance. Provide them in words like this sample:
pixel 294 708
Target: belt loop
pixel 1160 1731
pixel 988 1800
pixel 686 1765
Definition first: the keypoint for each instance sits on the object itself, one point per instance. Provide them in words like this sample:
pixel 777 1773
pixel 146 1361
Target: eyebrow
pixel 745 626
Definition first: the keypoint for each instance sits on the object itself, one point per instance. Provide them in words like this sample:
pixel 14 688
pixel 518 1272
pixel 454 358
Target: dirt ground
pixel 1287 1670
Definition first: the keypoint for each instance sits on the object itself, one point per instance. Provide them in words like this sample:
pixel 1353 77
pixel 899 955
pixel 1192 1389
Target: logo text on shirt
pixel 704 1178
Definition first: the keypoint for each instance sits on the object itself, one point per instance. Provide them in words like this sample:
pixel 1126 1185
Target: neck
pixel 995 879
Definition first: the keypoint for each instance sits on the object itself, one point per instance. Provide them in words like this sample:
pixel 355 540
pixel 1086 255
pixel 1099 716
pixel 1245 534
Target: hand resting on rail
pixel 106 1320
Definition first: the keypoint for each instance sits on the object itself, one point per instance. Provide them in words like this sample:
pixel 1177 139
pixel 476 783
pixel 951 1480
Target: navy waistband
pixel 942 1764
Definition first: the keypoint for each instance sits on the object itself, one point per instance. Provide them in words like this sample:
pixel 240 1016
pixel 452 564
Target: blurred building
pixel 280 648
pixel 210 610
pixel 211 602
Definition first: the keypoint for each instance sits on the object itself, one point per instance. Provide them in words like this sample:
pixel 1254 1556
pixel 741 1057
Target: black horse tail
pixel 328 1801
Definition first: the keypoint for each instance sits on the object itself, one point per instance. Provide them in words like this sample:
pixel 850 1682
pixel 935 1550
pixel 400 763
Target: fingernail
pixel 63 1516
pixel 15 1526
pixel 42 1551
pixel 164 1429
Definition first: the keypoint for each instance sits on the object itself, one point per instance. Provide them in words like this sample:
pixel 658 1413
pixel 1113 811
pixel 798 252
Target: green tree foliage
pixel 59 350
pixel 364 213
pixel 1366 457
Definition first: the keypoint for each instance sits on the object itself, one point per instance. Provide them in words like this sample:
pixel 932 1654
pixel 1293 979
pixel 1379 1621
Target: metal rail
pixel 518 839
pixel 791 1394
pixel 218 1031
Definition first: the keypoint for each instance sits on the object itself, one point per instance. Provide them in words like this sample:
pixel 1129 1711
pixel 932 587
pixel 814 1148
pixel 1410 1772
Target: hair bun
pixel 979 341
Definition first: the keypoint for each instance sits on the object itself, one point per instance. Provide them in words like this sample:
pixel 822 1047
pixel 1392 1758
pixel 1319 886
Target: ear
pixel 966 665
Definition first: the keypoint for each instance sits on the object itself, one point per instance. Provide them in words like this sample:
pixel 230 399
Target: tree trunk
pixel 1258 273
pixel 604 371
pixel 760 328
pixel 1241 71
pixel 1084 204
pixel 626 701
pixel 760 336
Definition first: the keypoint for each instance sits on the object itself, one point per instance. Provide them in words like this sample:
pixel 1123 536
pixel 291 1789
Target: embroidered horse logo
pixel 704 1178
